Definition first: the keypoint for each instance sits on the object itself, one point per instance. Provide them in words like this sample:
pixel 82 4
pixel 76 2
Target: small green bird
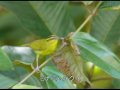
pixel 44 47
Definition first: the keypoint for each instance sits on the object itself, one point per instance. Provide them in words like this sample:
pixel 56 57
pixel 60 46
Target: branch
pixel 88 18
pixel 28 76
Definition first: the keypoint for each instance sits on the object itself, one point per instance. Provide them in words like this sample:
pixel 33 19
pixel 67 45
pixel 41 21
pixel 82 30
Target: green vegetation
pixel 59 44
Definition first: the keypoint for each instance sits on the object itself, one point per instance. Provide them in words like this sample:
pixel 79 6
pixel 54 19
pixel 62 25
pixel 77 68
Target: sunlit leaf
pixel 22 54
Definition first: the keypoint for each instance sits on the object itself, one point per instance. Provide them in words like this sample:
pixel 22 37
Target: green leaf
pixel 21 72
pixel 56 78
pixel 22 54
pixel 109 4
pixel 24 86
pixel 34 81
pixel 106 29
pixel 78 14
pixel 46 82
pixel 42 18
pixel 5 62
pixel 116 83
pixel 6 82
pixel 10 29
pixel 95 52
pixel 27 16
pixel 56 16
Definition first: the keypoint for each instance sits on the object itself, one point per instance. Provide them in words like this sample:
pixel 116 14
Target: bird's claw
pixel 36 69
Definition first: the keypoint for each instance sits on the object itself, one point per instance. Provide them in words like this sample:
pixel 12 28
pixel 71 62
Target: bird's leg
pixel 37 62
pixel 32 66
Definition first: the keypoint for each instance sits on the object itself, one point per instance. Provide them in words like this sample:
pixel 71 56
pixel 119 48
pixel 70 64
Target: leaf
pixel 10 29
pixel 46 82
pixel 109 4
pixel 42 18
pixel 34 81
pixel 99 78
pixel 27 16
pixel 87 2
pixel 71 65
pixel 5 62
pixel 24 86
pixel 116 83
pixel 56 79
pixel 95 52
pixel 6 82
pixel 22 54
pixel 78 14
pixel 56 16
pixel 107 29
pixel 21 72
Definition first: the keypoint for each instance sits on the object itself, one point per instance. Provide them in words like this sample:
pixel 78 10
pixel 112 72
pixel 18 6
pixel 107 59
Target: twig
pixel 88 18
pixel 28 76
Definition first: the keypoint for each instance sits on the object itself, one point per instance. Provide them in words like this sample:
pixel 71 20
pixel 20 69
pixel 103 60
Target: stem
pixel 28 76
pixel 88 18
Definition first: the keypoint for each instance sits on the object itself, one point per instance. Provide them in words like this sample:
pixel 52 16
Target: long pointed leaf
pixel 95 52
pixel 42 18
pixel 107 29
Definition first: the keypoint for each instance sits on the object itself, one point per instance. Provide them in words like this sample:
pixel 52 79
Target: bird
pixel 43 47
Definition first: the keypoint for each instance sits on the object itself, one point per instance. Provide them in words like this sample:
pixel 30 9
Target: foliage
pixel 59 44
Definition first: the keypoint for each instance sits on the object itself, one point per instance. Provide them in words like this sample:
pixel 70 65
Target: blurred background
pixel 11 31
